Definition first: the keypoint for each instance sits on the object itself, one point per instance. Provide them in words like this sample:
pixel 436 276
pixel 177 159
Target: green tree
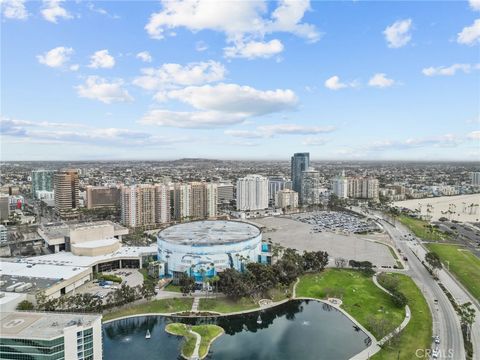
pixel 467 317
pixel 25 305
pixel 187 284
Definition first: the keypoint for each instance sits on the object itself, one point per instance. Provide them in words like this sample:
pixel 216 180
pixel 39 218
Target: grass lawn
pixel 361 298
pixel 463 264
pixel 418 333
pixel 207 332
pixel 171 287
pixel 154 306
pixel 421 229
pixel 225 305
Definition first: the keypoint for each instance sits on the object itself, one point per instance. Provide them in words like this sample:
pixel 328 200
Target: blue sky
pixel 240 80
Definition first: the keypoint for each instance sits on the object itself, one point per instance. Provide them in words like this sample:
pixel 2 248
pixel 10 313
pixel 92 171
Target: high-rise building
pixel 66 193
pixel 198 209
pixel 275 184
pixel 138 205
pixel 340 186
pixel 225 192
pixel 211 200
pixel 475 176
pixel 3 233
pixel 60 336
pixel 4 207
pixel 299 163
pixel 99 197
pixel 310 189
pixel 287 199
pixel 363 188
pixel 252 193
pixel 42 180
pixel 181 201
pixel 162 203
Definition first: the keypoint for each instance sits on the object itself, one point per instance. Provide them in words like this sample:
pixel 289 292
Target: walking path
pixel 196 302
pixel 196 351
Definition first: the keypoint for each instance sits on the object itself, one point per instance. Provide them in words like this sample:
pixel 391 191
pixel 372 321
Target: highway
pixel 445 320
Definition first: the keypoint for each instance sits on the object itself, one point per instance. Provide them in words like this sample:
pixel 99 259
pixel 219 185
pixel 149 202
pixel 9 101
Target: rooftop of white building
pixel 209 232
pixel 41 325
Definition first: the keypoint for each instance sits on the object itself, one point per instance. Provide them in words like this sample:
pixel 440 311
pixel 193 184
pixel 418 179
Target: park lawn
pixel 418 333
pixel 171 287
pixel 151 307
pixel 362 299
pixel 420 229
pixel 462 263
pixel 225 305
pixel 208 334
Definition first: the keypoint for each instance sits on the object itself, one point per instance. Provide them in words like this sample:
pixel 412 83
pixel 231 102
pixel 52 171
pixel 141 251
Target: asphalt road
pixel 445 320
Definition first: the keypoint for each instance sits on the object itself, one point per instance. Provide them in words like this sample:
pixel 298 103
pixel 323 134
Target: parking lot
pixel 300 235
pixel 336 221
pixel 131 277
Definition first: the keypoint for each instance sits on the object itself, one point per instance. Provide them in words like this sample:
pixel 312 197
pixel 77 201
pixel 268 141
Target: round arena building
pixel 203 248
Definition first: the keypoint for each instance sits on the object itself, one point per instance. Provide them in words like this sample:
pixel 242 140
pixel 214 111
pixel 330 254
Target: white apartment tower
pixel 340 186
pixel 162 203
pixel 252 193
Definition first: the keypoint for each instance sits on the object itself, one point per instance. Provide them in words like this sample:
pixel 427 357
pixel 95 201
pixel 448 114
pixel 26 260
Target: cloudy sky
pixel 240 80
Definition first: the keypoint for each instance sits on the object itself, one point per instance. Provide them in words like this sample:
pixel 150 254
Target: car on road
pixel 437 339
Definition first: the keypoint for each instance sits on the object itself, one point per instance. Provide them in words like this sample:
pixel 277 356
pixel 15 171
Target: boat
pixel 259 320
pixel 147 335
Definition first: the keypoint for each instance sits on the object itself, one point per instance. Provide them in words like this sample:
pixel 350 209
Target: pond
pixel 298 329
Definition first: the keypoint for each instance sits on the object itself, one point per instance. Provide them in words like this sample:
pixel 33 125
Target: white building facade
pixel 252 193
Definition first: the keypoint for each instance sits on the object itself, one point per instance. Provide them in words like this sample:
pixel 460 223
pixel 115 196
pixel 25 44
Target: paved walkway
pixel 196 302
pixel 196 351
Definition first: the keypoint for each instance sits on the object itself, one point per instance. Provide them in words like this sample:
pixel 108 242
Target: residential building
pixel 363 188
pixel 101 197
pixel 340 186
pixel 299 163
pixel 4 207
pixel 66 193
pixel 310 189
pixel 162 204
pixel 138 205
pixel 225 192
pixel 252 193
pixel 287 199
pixel 211 200
pixel 475 178
pixel 181 201
pixel 3 233
pixel 42 180
pixel 275 184
pixel 56 336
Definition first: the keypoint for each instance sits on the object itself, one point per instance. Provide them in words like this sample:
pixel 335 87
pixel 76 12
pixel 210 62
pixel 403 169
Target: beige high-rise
pixel 65 184
pixel 138 205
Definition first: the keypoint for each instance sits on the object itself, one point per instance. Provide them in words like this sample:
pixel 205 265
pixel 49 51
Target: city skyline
pixel 341 80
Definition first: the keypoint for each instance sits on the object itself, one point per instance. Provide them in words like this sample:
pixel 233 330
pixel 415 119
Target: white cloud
pixel 144 56
pixel 254 49
pixel 448 70
pixel 380 80
pixel 52 11
pixel 474 135
pixel 267 131
pixel 334 83
pixel 201 46
pixel 74 67
pixel 102 59
pixel 474 5
pixel 233 98
pixel 56 57
pixel 470 34
pixel 398 34
pixel 14 9
pixel 101 11
pixel 314 141
pixel 447 140
pixel 169 75
pixel 241 21
pixel 190 119
pixel 100 89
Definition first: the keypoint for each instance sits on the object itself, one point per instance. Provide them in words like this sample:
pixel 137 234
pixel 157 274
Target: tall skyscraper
pixel 102 197
pixel 162 203
pixel 340 186
pixel 475 177
pixel 181 201
pixel 310 187
pixel 4 207
pixel 42 180
pixel 275 184
pixel 300 162
pixel 138 205
pixel 211 199
pixel 252 193
pixel 66 193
